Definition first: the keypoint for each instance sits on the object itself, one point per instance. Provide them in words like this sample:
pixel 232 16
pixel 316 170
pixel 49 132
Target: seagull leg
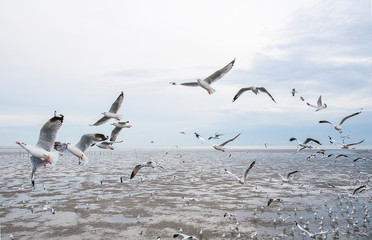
pixel 49 160
pixel 44 163
pixel 118 119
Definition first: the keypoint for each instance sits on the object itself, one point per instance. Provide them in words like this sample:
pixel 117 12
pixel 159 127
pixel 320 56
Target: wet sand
pixel 192 193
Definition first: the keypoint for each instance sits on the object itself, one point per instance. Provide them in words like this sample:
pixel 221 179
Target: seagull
pixel 293 92
pixel 85 142
pixel 114 134
pixel 112 113
pixel 319 106
pixel 211 79
pixel 49 208
pixel 271 200
pixel 359 189
pixel 172 83
pixel 185 236
pixel 221 148
pixel 145 164
pixel 302 99
pixel 182 132
pixel 341 155
pixel 244 177
pixel 311 235
pixel 42 151
pixel 339 127
pixel 289 176
pixel 254 89
pixel 346 146
pixel 216 136
pixel 198 136
pixel 303 145
pixel 358 158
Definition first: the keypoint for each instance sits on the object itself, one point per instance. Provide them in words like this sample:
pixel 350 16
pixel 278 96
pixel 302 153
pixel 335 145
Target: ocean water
pixel 191 194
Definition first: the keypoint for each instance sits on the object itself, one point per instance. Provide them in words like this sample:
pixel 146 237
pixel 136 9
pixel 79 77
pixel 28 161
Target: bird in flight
pixel 319 105
pixel 338 127
pixel 112 113
pixel 303 145
pixel 255 90
pixel 206 83
pixel 244 177
pixel 221 146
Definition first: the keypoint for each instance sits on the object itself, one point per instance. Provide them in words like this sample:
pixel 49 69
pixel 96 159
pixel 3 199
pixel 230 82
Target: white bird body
pixel 319 105
pixel 303 145
pixel 338 127
pixel 122 124
pixel 112 115
pixel 105 145
pixel 77 152
pixel 39 152
pixel 206 86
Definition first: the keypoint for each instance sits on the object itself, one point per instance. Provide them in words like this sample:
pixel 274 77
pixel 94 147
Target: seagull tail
pixel 211 90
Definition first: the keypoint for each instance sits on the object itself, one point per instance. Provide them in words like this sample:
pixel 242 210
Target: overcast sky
pixel 76 57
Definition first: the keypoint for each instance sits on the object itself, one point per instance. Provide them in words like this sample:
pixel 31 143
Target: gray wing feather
pixel 351 144
pixel 262 89
pixel 101 121
pixel 248 169
pixel 48 132
pixel 352 115
pixel 311 139
pixel 190 84
pixel 230 140
pixel 325 121
pixel 240 92
pixel 114 134
pixel 116 105
pixel 220 73
pixel 135 170
pixel 88 139
pixel 319 102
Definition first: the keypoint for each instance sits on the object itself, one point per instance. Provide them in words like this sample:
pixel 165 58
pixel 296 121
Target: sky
pixel 75 57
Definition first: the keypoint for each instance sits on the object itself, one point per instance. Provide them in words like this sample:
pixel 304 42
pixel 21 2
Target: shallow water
pixel 192 193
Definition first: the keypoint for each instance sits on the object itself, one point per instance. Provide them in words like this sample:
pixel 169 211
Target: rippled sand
pixel 192 193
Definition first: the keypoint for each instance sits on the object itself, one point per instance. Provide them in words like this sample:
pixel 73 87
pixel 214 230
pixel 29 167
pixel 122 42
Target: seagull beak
pixel 18 143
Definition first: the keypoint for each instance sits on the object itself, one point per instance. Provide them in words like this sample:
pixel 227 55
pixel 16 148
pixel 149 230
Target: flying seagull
pixel 86 141
pixel 303 145
pixel 293 92
pixel 211 79
pixel 271 200
pixel 311 235
pixel 49 208
pixel 255 90
pixel 244 177
pixel 199 137
pixel 359 189
pixel 114 134
pixel 289 176
pixel 145 164
pixel 338 127
pixel 221 148
pixel 42 151
pixel 346 146
pixel 112 113
pixel 185 236
pixel 216 136
pixel 319 105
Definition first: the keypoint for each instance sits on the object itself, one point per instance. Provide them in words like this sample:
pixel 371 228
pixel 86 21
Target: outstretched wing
pixel 352 115
pixel 319 102
pixel 311 105
pixel 190 84
pixel 291 173
pixel 88 139
pixel 311 139
pixel 116 105
pixel 262 89
pixel 135 170
pixel 198 136
pixel 351 144
pixel 101 121
pixel 232 174
pixel 230 140
pixel 249 168
pixel 240 92
pixel 220 73
pixel 114 134
pixel 48 132
pixel 325 121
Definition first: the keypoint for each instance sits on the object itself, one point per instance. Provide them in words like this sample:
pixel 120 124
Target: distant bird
pixel 338 127
pixel 346 146
pixel 303 145
pixel 86 141
pixel 172 83
pixel 206 83
pixel 319 105
pixel 221 146
pixel 145 164
pixel 341 155
pixel 358 158
pixel 216 136
pixel 289 176
pixel 49 208
pixel 244 177
pixel 182 132
pixel 185 236
pixel 255 90
pixel 199 137
pixel 293 92
pixel 321 151
pixel 302 99
pixel 359 189
pixel 311 235
pixel 112 113
pixel 271 200
pixel 41 152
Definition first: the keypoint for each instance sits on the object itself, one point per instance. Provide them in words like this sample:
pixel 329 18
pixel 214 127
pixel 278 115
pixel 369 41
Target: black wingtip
pixel 33 183
pixel 121 179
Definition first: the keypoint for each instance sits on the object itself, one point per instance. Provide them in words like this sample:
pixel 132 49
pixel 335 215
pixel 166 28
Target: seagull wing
pixel 325 121
pixel 319 102
pixel 230 140
pixel 311 105
pixel 249 168
pixel 48 132
pixel 302 229
pixel 293 139
pixel 190 84
pixel 311 139
pixel 101 121
pixel 291 173
pixel 220 73
pixel 262 89
pixel 240 92
pixel 352 115
pixel 351 144
pixel 270 201
pixel 114 134
pixel 135 170
pixel 116 105
pixel 88 139
pixel 198 136
pixel 232 174
pixel 359 188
